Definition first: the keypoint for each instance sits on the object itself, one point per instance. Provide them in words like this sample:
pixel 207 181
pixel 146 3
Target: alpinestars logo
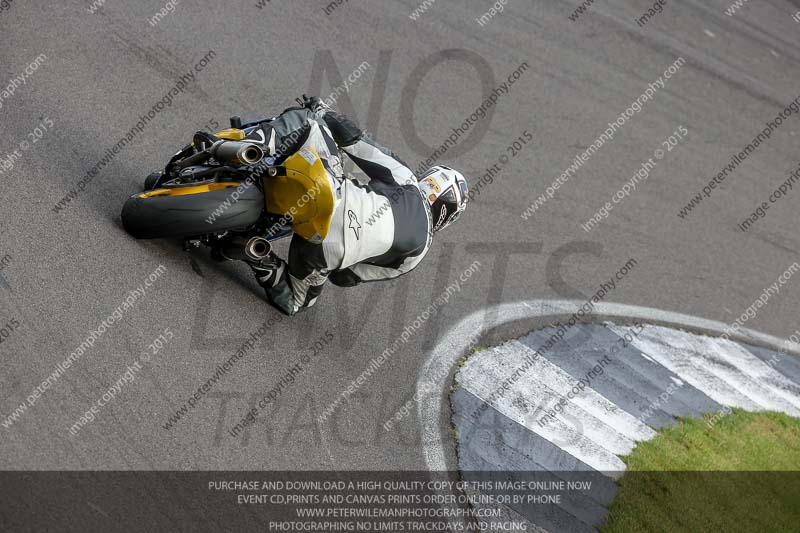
pixel 354 225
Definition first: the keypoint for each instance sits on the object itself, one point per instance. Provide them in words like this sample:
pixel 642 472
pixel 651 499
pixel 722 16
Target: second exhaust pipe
pixel 253 249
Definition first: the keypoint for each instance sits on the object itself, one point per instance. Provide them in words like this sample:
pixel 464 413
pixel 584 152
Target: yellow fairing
pixel 181 191
pixel 231 134
pixel 304 194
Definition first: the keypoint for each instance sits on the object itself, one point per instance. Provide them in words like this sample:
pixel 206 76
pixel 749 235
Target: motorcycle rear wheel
pixel 190 211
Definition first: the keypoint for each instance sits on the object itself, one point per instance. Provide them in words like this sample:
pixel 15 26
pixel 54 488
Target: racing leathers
pixel 378 231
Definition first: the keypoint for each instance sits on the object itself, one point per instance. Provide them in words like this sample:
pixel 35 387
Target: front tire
pixel 192 211
pixel 151 180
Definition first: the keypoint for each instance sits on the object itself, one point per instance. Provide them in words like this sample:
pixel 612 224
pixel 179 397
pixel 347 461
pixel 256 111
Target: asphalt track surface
pixel 70 269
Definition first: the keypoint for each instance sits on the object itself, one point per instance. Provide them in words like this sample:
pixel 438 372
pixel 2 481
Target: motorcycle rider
pixel 378 231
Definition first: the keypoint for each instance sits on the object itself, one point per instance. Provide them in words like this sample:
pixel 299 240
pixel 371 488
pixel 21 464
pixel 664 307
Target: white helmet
pixel 446 191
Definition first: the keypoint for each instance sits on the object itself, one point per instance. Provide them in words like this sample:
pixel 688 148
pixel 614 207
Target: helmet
pixel 446 191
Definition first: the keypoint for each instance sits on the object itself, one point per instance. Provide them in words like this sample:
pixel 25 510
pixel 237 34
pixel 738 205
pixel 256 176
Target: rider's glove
pixel 314 104
pixel 345 132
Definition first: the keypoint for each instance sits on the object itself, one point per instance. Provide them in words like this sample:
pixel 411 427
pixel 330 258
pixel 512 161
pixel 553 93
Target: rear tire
pixel 191 215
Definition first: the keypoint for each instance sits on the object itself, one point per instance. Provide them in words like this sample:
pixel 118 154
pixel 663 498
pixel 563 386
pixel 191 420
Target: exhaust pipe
pixel 237 152
pixel 241 249
pixel 258 248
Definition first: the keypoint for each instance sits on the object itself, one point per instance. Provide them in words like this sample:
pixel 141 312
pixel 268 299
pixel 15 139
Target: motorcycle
pixel 225 192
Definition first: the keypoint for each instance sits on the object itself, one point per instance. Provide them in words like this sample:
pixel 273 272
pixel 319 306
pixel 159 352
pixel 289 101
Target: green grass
pixel 693 477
